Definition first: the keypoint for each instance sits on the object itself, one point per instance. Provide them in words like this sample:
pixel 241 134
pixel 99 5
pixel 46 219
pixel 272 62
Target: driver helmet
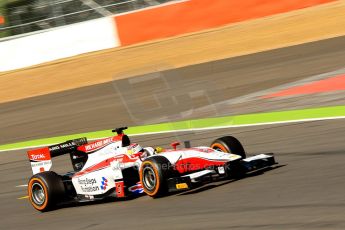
pixel 134 149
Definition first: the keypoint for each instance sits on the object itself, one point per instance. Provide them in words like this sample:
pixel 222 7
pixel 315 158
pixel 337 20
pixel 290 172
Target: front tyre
pixel 45 190
pixel 229 144
pixel 154 173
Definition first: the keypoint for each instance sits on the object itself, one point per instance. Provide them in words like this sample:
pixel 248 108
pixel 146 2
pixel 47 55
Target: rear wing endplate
pixel 41 159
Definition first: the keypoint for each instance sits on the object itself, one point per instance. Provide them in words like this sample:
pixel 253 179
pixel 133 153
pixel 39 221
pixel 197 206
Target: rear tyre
pixel 45 190
pixel 229 144
pixel 154 173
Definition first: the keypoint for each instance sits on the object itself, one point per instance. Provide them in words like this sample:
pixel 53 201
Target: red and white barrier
pixel 58 43
pixel 196 15
pixel 148 24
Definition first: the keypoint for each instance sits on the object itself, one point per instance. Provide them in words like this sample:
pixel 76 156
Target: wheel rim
pixel 38 195
pixel 149 178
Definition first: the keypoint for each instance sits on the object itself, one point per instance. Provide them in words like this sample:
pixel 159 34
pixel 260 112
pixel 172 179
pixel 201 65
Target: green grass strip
pixel 249 119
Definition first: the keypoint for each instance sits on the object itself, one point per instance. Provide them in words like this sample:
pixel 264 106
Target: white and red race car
pixel 113 167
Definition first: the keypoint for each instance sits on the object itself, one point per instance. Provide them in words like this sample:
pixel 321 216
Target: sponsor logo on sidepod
pixel 98 144
pixel 87 185
pixel 104 183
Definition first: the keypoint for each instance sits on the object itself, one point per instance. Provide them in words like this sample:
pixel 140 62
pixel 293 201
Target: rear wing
pixel 41 159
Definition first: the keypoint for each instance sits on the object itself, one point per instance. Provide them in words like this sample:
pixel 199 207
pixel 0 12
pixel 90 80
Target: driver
pixel 135 150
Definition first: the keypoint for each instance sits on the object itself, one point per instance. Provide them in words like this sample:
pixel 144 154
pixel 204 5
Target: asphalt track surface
pixel 156 97
pixel 306 192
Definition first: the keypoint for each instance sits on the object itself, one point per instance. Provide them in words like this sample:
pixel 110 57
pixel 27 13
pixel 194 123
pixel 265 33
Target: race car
pixel 115 167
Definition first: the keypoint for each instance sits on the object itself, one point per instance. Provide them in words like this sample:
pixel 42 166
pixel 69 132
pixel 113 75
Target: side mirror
pixel 175 144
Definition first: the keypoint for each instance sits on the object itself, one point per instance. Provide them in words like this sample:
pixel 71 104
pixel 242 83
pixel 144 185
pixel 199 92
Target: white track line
pixel 201 129
pixel 235 101
pixel 210 128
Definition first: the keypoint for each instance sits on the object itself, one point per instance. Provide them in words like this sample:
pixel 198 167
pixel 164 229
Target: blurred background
pixel 269 72
pixel 25 16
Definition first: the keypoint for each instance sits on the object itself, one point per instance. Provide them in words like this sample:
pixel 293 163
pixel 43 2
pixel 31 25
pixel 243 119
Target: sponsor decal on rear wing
pixel 41 159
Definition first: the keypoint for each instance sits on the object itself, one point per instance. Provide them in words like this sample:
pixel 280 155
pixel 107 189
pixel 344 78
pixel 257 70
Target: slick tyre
pixel 45 190
pixel 154 173
pixel 229 144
